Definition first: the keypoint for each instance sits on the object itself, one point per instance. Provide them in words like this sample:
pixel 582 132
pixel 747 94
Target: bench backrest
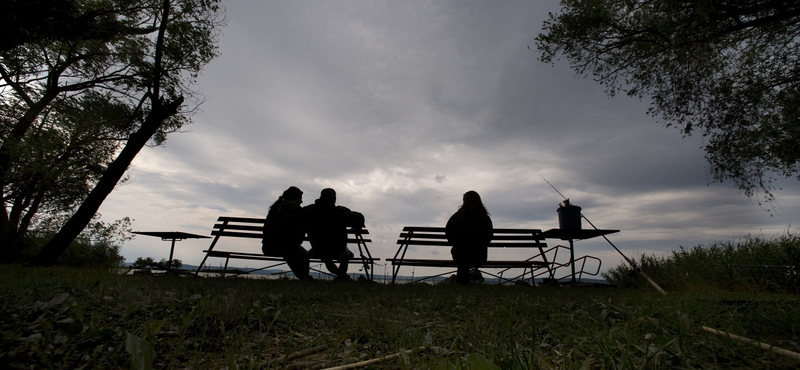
pixel 502 238
pixel 243 227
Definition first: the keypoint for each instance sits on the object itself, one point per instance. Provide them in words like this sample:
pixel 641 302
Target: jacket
pixel 326 225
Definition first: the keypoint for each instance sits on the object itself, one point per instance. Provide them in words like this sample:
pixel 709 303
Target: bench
pixel 253 228
pixel 503 238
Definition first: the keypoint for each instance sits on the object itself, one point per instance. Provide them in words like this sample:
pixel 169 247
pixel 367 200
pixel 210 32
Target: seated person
pixel 283 239
pixel 469 230
pixel 326 225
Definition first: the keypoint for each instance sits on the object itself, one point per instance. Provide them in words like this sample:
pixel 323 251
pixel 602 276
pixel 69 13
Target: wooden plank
pixel 415 236
pixel 259 235
pixel 444 243
pixel 451 263
pixel 237 234
pixel 441 229
pixel 256 256
pixel 519 231
pixel 241 219
pixel 507 244
pixel 258 228
pixel 437 243
pixel 423 228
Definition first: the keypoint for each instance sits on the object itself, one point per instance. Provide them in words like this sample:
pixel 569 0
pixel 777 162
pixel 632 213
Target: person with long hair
pixel 469 230
pixel 284 239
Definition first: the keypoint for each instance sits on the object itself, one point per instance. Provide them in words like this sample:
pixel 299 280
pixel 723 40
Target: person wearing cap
pixel 284 239
pixel 326 225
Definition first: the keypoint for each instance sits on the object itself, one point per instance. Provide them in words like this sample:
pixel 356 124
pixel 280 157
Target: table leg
pixel 572 260
pixel 171 250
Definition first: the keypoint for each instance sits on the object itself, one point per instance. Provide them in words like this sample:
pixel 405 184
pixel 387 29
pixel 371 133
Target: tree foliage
pixel 97 246
pixel 78 106
pixel 729 70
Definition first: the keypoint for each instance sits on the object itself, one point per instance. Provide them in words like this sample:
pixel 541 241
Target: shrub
pixel 749 264
pixel 149 262
pixel 97 246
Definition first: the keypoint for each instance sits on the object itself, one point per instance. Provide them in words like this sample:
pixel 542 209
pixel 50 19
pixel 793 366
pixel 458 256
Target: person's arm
pixel 489 231
pixel 352 218
pixel 451 229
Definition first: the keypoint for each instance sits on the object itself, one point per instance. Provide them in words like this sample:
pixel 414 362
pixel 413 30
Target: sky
pixel 401 107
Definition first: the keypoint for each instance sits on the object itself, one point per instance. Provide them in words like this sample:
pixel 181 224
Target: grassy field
pixel 64 318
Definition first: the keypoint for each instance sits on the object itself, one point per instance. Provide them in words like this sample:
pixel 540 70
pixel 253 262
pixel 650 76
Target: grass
pixel 753 264
pixel 63 318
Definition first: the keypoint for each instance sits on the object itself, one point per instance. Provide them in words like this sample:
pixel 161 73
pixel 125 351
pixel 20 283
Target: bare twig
pixel 366 363
pixel 756 343
pixel 299 354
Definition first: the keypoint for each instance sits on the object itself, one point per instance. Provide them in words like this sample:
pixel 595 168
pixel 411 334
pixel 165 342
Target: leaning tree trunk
pixel 116 169
pixel 160 112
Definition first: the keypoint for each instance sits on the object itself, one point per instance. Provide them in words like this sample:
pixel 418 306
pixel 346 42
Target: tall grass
pixel 748 265
pixel 66 318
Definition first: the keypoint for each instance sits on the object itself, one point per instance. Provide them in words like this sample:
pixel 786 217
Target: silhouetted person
pixel 469 230
pixel 284 239
pixel 326 225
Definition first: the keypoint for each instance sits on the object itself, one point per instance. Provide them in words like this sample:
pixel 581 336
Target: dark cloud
pixel 402 107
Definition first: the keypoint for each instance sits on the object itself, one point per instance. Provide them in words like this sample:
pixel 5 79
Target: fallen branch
pixel 756 343
pixel 299 354
pixel 366 363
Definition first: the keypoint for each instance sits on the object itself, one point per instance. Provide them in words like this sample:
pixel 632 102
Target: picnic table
pixel 174 236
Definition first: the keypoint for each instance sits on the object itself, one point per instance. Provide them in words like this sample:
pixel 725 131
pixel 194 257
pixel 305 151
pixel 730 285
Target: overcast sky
pixel 401 107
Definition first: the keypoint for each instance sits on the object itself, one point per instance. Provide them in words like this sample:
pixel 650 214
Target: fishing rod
pixel 633 264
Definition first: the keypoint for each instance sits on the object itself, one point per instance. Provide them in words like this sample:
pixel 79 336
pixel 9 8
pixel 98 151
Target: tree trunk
pixel 160 111
pixel 116 169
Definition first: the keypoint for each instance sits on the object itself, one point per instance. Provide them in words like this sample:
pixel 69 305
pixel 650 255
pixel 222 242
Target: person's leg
pixel 461 258
pixel 344 262
pixel 462 274
pixel 297 258
pixel 328 262
pixel 331 267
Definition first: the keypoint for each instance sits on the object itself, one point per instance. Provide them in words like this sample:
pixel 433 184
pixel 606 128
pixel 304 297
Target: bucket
pixel 569 217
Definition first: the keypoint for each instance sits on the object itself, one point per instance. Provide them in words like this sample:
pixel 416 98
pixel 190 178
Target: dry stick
pixel 756 343
pixel 631 262
pixel 653 283
pixel 366 363
pixel 303 353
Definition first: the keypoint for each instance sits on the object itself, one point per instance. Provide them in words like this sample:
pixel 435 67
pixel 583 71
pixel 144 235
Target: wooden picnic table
pixel 174 236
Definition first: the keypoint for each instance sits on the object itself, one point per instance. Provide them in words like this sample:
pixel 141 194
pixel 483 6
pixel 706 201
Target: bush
pixel 97 246
pixel 149 262
pixel 751 264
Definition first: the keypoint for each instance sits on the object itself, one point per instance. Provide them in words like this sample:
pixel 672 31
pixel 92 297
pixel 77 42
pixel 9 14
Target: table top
pixel 171 235
pixel 576 234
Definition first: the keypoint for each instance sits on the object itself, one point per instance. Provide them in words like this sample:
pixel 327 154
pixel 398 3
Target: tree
pixel 33 21
pixel 728 69
pixel 141 64
pixel 74 140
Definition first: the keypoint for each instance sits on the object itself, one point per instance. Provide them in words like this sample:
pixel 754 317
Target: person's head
pixel 292 194
pixel 473 203
pixel 328 194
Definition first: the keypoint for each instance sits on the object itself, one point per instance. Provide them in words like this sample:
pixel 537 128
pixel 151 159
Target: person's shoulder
pixel 455 218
